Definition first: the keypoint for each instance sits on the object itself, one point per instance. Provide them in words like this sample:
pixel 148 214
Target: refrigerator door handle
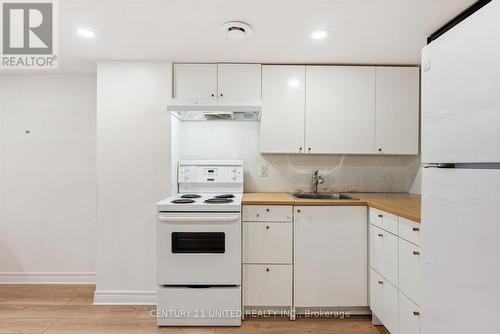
pixel 438 165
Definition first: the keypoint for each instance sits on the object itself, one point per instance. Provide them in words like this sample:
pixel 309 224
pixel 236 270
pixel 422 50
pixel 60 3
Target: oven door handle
pixel 214 219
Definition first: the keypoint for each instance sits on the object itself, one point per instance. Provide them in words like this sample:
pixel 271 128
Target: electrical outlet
pixel 263 170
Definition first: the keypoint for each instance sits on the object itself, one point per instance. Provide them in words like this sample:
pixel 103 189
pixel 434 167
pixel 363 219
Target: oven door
pixel 199 248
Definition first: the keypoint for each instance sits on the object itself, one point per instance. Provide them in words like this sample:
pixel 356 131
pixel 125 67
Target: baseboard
pixel 124 297
pixel 47 278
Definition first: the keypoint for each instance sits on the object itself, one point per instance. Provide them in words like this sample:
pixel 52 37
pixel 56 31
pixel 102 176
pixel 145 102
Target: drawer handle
pixel 267 227
pixel 416 253
pixel 381 216
pixel 267 210
pixel 416 313
pixel 298 210
pixel 416 229
pixel 380 282
pixel 267 269
pixel 381 235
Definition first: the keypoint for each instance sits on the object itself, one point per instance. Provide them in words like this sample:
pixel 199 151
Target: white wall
pixel 133 164
pixel 240 140
pixel 47 178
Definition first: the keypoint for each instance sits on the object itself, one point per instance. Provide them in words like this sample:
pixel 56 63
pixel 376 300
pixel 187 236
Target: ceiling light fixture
pixel 319 34
pixel 85 33
pixel 236 30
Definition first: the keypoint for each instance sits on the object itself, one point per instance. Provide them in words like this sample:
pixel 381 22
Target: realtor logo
pixel 28 34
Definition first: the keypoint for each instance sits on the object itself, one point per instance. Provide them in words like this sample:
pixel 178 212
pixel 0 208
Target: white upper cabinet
pixel 239 81
pixel 195 81
pixel 283 109
pixel 209 81
pixel 340 109
pixel 317 109
pixel 397 106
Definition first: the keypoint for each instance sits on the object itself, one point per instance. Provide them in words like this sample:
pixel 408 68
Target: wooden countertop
pixel 267 199
pixel 404 205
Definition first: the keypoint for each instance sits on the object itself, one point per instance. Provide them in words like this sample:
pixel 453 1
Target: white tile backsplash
pixel 240 140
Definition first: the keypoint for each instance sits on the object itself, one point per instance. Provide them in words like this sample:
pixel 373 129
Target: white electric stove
pixel 199 246
pixel 194 202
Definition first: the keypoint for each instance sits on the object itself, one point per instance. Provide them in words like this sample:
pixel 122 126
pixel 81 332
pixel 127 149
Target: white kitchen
pixel 250 167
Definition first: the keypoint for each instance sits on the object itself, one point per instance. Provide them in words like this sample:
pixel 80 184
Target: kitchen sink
pixel 321 196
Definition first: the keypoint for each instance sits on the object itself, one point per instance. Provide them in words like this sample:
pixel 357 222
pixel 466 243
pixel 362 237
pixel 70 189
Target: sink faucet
pixel 316 181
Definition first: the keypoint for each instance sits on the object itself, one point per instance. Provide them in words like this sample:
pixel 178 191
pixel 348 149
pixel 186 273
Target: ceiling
pixel 362 31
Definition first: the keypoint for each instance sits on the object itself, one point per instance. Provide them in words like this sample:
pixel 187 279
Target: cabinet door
pixel 330 256
pixel 340 109
pixel 410 270
pixel 397 108
pixel 267 285
pixel 384 253
pixel 239 81
pixel 195 81
pixel 409 316
pixel 384 301
pixel 267 242
pixel 283 105
pixel 376 292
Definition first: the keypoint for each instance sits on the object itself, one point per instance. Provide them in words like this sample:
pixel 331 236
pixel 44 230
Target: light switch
pixel 263 170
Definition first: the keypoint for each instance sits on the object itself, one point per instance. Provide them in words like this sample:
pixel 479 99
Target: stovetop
pixel 202 202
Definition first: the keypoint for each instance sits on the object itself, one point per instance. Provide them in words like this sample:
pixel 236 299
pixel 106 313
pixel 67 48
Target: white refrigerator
pixel 461 178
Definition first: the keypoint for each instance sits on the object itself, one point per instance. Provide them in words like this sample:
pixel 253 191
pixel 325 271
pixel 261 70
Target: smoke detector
pixel 236 30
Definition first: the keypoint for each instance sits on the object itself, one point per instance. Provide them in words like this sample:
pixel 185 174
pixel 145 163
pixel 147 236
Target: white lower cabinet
pixel 395 273
pixel 317 257
pixel 384 301
pixel 267 285
pixel 330 256
pixel 267 256
pixel 409 316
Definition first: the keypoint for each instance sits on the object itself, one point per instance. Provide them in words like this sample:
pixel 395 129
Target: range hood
pixel 216 109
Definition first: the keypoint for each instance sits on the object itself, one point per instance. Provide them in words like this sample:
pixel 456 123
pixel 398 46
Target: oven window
pixel 198 242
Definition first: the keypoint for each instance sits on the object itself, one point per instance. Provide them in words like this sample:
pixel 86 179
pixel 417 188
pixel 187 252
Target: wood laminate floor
pixel 68 309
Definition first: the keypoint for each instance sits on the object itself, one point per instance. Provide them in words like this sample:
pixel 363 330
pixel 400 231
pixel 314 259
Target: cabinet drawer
pixel 267 242
pixel 410 270
pixel 384 301
pixel 267 213
pixel 409 230
pixel 180 299
pixel 384 253
pixel 409 316
pixel 384 220
pixel 267 285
